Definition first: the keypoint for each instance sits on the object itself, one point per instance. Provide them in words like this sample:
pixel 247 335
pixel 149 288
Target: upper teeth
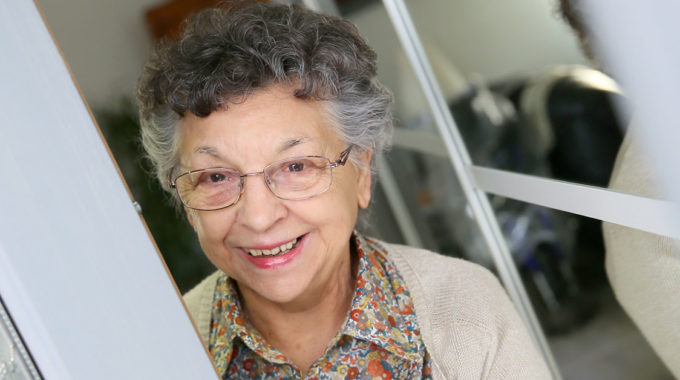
pixel 274 251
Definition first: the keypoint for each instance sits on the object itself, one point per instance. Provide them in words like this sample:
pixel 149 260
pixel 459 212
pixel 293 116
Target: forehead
pixel 265 123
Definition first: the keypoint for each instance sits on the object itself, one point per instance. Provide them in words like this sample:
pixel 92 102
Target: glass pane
pixel 563 269
pixel 427 183
pixel 520 89
pixel 495 62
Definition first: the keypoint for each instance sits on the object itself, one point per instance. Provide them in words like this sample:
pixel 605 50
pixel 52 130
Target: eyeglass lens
pixel 294 179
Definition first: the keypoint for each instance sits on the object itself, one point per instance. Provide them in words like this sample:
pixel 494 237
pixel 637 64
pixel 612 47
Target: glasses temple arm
pixel 344 155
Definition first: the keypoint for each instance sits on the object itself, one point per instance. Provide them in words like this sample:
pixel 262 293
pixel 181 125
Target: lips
pixel 280 250
pixel 275 257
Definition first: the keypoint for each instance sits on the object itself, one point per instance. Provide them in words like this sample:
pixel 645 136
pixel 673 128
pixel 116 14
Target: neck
pixel 302 328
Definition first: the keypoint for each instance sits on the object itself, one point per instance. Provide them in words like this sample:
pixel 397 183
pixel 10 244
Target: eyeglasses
pixel 293 178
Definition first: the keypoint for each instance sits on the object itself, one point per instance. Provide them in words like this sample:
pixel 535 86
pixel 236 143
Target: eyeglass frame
pixel 342 159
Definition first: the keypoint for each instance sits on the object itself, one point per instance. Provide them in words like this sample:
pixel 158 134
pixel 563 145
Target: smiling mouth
pixel 277 251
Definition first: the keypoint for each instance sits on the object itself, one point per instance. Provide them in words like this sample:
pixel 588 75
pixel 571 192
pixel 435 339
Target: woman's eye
pixel 296 167
pixel 217 177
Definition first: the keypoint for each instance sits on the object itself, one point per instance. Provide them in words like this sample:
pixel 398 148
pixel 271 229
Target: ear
pixel 364 180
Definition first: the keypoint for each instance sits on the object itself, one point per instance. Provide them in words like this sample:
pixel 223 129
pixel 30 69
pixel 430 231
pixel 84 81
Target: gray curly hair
pixel 224 55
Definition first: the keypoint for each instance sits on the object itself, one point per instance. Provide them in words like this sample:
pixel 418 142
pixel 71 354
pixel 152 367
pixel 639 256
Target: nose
pixel 258 208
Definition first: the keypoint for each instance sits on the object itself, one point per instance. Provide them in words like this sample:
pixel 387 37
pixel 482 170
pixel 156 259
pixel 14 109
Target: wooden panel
pixel 166 19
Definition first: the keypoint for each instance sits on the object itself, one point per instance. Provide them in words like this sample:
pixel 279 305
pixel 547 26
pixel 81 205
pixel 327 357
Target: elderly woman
pixel 264 121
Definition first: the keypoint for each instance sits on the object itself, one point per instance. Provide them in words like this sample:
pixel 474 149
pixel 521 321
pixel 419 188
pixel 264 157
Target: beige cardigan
pixel 467 322
pixel 644 268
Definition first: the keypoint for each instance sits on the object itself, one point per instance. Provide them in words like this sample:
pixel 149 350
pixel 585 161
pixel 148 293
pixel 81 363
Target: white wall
pixel 104 42
pixel 493 38
pixel 497 37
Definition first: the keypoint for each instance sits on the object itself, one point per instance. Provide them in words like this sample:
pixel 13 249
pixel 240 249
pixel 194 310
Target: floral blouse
pixel 380 338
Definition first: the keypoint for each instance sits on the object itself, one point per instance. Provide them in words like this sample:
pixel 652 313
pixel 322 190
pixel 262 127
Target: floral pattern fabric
pixel 380 338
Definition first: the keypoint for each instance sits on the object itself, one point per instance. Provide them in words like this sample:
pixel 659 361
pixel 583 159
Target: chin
pixel 279 292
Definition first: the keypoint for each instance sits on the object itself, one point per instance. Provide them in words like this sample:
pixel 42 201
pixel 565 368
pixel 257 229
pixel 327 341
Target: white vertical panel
pixel 78 271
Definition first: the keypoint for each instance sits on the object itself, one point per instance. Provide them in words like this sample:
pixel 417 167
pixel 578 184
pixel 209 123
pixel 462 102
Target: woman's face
pixel 269 126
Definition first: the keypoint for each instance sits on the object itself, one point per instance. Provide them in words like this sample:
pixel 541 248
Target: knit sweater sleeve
pixel 468 324
pixel 199 302
pixel 644 268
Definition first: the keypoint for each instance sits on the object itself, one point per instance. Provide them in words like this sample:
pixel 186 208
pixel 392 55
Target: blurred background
pixel 524 98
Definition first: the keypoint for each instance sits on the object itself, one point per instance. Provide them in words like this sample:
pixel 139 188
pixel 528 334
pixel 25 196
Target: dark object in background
pixel 577 105
pixel 350 7
pixel 174 236
pixel 587 139
pixel 587 131
pixel 561 124
pixel 540 240
pixel 166 20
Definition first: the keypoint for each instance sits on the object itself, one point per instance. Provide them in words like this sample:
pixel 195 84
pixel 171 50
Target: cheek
pixel 341 206
pixel 212 231
pixel 211 228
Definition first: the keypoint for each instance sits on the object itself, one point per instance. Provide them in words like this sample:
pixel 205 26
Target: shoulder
pixel 434 271
pixel 464 292
pixel 198 301
pixel 468 323
pixel 203 290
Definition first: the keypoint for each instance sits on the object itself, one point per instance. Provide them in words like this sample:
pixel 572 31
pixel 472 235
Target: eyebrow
pixel 285 146
pixel 206 149
pixel 293 142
